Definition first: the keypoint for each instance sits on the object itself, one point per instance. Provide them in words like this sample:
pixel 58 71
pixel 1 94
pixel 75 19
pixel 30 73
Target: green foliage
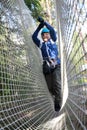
pixel 35 7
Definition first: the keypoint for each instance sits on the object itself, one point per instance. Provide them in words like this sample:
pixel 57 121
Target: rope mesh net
pixel 72 18
pixel 25 102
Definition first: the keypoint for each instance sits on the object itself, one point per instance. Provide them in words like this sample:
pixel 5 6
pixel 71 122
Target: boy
pixel 49 52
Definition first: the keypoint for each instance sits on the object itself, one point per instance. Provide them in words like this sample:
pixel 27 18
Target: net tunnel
pixel 25 101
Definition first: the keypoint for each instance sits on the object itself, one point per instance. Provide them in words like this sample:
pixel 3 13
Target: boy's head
pixel 45 34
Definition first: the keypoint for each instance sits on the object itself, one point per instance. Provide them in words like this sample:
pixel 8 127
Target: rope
pixel 25 102
pixel 72 19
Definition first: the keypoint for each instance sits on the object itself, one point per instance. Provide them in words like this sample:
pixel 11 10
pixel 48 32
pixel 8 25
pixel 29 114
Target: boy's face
pixel 45 37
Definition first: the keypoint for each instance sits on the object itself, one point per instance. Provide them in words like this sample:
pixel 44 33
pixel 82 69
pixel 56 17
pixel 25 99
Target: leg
pixel 49 83
pixel 57 87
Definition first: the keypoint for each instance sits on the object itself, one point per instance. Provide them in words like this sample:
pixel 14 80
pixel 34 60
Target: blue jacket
pixel 49 48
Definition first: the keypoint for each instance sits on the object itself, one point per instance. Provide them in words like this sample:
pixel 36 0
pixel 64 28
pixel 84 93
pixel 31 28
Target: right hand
pixel 40 19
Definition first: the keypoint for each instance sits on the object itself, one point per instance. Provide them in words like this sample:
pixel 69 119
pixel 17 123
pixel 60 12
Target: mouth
pixel 45 39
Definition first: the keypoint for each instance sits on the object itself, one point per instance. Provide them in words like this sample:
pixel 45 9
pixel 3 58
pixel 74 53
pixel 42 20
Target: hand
pixel 40 19
pixel 53 62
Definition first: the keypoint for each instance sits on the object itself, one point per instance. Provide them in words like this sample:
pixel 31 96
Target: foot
pixel 57 107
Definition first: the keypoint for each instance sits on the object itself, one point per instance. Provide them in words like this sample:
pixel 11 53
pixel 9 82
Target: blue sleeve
pixel 55 48
pixel 52 31
pixel 35 34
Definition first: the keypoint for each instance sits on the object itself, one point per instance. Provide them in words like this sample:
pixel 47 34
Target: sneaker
pixel 57 107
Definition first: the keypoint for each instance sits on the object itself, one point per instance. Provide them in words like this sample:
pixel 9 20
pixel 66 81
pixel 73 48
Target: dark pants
pixel 54 84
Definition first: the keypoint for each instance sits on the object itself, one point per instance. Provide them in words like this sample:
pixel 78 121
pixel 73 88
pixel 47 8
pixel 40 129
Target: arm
pixel 52 31
pixel 35 34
